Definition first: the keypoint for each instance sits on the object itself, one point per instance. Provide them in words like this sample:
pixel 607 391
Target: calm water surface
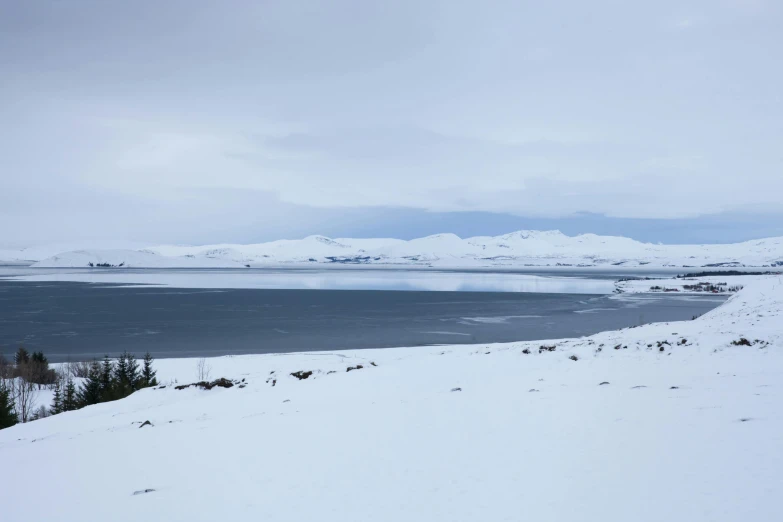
pixel 83 314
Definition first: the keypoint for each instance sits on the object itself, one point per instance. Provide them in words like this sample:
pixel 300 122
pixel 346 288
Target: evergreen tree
pixel 57 401
pixel 22 356
pixel 147 373
pixel 7 413
pixel 69 397
pixel 126 375
pixel 133 371
pixel 107 393
pixel 120 373
pixel 90 391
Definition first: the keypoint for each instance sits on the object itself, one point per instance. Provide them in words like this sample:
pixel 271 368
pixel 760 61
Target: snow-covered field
pixel 672 421
pixel 523 248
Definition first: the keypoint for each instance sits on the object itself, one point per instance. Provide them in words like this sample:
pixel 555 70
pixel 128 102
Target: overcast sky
pixel 199 121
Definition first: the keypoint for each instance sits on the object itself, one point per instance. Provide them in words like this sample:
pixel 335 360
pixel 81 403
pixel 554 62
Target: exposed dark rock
pixel 205 385
pixel 301 375
pixel 741 342
pixel 526 351
pixel 357 367
pixel 456 389
pixel 143 491
pixel 603 383
pixel 146 423
pixel 574 358
pixel 544 348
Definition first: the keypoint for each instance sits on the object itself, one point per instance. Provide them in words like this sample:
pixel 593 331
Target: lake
pixel 82 314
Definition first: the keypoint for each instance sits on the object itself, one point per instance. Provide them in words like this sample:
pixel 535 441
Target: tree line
pixel 101 381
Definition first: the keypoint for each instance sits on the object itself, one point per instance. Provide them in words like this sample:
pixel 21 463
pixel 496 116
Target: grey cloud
pixel 538 110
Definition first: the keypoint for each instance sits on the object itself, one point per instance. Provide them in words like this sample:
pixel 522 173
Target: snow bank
pixel 523 248
pixel 130 259
pixel 672 421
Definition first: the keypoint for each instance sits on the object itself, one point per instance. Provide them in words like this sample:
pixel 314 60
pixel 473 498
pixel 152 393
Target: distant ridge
pixel 516 249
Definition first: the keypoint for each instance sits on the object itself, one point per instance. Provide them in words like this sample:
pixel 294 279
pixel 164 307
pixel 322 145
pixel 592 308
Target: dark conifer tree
pixel 57 401
pixel 147 373
pixel 120 375
pixel 69 397
pixel 7 413
pixel 22 356
pixel 107 370
pixel 90 391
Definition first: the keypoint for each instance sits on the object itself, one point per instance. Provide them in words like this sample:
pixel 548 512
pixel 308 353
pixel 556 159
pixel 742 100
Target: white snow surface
pixel 690 433
pixel 523 248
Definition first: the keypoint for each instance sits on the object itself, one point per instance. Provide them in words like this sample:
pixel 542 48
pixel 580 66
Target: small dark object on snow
pixel 574 358
pixel 241 386
pixel 661 349
pixel 160 387
pixel 287 400
pixel 357 367
pixel 637 387
pixel 373 364
pixel 456 389
pixel 683 341
pixel 745 419
pixel 143 491
pixel 146 423
pixel 674 387
pixel 742 342
pixel 330 371
pixel 618 346
pixel 544 348
pixel 532 390
pixel 205 385
pixel 603 383
pixel 487 353
pixel 526 351
pixel 302 375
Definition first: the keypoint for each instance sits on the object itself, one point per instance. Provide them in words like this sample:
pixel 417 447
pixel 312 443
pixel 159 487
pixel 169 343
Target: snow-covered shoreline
pixel 518 249
pixel 671 421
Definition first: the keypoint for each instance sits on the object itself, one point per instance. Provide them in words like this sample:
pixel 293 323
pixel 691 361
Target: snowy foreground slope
pixel 669 421
pixel 523 248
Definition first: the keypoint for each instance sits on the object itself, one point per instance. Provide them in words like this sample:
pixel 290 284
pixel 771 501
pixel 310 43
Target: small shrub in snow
pixel 302 375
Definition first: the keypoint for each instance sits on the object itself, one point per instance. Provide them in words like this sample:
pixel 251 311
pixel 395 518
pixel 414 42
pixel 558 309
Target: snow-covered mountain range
pixel 517 249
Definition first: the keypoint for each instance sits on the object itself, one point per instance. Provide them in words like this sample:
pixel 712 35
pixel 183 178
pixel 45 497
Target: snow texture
pixel 676 421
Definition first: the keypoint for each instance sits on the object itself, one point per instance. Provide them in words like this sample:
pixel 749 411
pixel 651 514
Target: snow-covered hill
pixel 673 421
pixel 132 259
pixel 523 248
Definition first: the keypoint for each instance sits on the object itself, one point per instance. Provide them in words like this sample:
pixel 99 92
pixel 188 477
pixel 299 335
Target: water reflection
pixel 328 280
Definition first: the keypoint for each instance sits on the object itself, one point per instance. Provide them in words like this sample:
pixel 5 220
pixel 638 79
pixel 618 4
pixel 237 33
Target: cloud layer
pixel 184 113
